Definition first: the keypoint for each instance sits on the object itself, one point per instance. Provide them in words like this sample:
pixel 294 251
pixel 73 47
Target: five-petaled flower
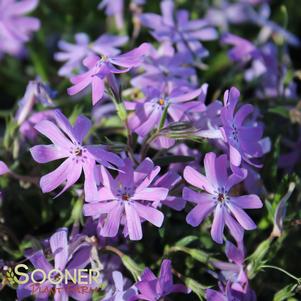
pixel 243 137
pixel 105 67
pixel 128 199
pixel 68 143
pixel 228 209
pixel 154 288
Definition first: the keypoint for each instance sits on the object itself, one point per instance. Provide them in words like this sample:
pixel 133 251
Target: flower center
pixel 78 151
pixel 125 197
pixel 161 102
pixel 221 197
pixel 234 133
pixel 104 58
pixel 124 193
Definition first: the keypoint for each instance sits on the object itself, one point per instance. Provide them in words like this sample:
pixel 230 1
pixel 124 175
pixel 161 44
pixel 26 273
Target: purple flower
pixel 73 54
pixel 233 278
pixel 3 168
pixel 170 180
pixel 243 138
pixel 149 111
pixel 36 92
pixel 228 209
pixel 114 8
pixel 104 67
pixel 27 128
pixel 164 68
pixel 15 28
pixel 179 30
pixel 120 293
pixel 68 143
pixel 152 288
pixel 128 199
pixel 63 260
pixel 242 51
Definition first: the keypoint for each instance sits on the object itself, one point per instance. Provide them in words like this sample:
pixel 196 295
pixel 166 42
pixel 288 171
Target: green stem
pixel 283 271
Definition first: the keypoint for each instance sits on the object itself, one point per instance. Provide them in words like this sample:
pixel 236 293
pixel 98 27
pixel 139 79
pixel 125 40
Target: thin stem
pixel 283 271
pixel 114 250
pixel 33 180
pixel 147 143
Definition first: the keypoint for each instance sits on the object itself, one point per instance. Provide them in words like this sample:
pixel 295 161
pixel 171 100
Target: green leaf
pixel 196 287
pixel 285 293
pixel 132 266
pixel 186 241
pixel 280 110
pixel 258 258
pixel 196 254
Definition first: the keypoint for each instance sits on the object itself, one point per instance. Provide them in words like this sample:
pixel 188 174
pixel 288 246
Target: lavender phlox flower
pixel 149 111
pixel 225 12
pixel 36 92
pixel 243 50
pixel 127 199
pixel 233 278
pixel 280 212
pixel 154 288
pixel 177 28
pixel 243 138
pixel 114 8
pixel 63 260
pixel 15 27
pixel 27 128
pixel 122 290
pixel 68 143
pixel 217 198
pixel 105 67
pixel 73 54
pixel 165 69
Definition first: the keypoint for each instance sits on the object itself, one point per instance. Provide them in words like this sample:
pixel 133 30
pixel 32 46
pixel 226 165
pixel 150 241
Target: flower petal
pixel 112 222
pixel 244 220
pixel 59 248
pixel 95 209
pixel 217 228
pixel 55 178
pixel 133 223
pixel 47 153
pixel 196 197
pixel 97 89
pixel 235 156
pixel 52 132
pixel 151 214
pixel 250 201
pixel 151 194
pixel 196 216
pixel 81 128
pixel 235 229
pixel 196 179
